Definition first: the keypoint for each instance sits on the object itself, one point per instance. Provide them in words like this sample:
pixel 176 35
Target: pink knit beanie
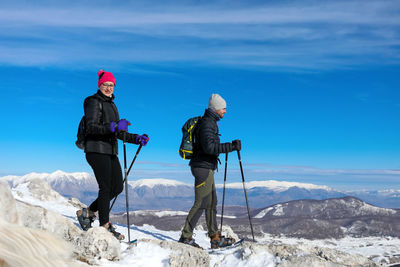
pixel 105 76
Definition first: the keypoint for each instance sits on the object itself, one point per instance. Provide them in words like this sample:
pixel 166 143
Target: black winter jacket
pixel 100 111
pixel 207 146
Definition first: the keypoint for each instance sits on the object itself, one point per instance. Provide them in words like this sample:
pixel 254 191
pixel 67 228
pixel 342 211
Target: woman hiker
pixel 102 129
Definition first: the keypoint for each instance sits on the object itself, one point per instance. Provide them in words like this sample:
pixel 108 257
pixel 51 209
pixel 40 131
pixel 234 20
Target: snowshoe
pixel 112 230
pixel 85 218
pixel 189 241
pixel 220 241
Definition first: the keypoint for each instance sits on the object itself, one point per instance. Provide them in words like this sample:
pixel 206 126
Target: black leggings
pixel 107 170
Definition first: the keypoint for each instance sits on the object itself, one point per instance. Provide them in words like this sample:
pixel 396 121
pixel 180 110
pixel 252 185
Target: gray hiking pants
pixel 205 199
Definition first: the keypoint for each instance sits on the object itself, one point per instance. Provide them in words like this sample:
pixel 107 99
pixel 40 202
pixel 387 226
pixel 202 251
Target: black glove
pixel 236 145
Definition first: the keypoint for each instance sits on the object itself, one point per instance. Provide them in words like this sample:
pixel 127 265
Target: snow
pixel 274 185
pixel 368 207
pixel 154 182
pixel 227 258
pixel 263 212
pixel 57 176
pixel 158 213
pixel 278 211
pixel 61 205
pixel 145 254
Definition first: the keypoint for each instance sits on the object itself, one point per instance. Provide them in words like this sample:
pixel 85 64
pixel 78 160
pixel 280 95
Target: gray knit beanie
pixel 216 102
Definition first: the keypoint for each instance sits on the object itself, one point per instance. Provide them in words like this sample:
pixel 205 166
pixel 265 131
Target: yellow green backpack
pixel 186 148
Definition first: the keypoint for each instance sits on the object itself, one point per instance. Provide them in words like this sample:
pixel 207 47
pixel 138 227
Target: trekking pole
pixel 223 194
pixel 133 161
pixel 245 195
pixel 126 191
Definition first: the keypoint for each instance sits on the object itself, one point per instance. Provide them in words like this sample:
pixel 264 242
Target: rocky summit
pixel 40 228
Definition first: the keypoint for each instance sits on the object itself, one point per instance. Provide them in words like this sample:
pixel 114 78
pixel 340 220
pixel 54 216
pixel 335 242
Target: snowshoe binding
pixel 220 241
pixel 85 218
pixel 112 230
pixel 189 241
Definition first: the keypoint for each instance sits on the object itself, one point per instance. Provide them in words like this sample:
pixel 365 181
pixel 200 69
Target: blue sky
pixel 312 86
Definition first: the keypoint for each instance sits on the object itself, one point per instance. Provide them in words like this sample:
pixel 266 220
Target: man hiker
pixel 102 129
pixel 203 163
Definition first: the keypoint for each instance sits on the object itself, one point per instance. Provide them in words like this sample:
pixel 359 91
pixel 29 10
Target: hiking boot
pixel 220 241
pixel 86 218
pixel 189 241
pixel 112 230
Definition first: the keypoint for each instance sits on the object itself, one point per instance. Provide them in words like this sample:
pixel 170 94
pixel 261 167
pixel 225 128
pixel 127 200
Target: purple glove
pixel 142 139
pixel 121 125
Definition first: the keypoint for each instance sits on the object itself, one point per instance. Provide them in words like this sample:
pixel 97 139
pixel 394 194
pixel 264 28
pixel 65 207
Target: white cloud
pixel 128 15
pixel 310 35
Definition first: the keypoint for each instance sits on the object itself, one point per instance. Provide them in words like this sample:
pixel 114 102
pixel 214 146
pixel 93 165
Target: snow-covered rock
pixel 23 246
pixel 95 244
pixel 8 211
pixel 90 246
pixel 39 218
pixel 304 255
pixel 182 255
pixel 228 232
pixel 41 190
pixel 76 203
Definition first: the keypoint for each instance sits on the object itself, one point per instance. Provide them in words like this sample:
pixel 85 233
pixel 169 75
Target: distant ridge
pixel 160 193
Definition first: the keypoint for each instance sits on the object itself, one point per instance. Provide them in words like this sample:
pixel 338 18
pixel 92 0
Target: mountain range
pixel 163 194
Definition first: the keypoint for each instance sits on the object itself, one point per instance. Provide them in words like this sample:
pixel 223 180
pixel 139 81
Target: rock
pixel 8 211
pixel 21 246
pixel 257 256
pixel 308 261
pixel 228 232
pixel 305 255
pixel 39 218
pixel 95 244
pixel 41 190
pixel 182 255
pixel 76 203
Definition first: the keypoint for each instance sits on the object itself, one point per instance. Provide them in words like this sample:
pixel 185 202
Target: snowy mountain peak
pixel 154 182
pixel 49 177
pixel 274 185
pixel 327 208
